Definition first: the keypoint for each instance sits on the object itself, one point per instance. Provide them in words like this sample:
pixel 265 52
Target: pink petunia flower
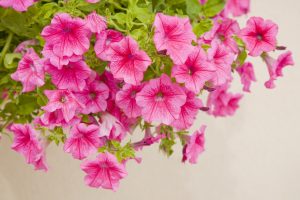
pixel 222 60
pixel 275 67
pixel 127 62
pixel 221 103
pixel 247 75
pixel 161 100
pixel 24 47
pixel 195 146
pixel 18 5
pixel 174 35
pixel 236 7
pixel 30 71
pixel 92 1
pixel 82 141
pixel 58 60
pixel 62 100
pixel 71 76
pixel 104 41
pixel 104 172
pixel 195 71
pixel 111 127
pixel 202 2
pixel 126 100
pixel 68 35
pixel 94 97
pixel 188 112
pixel 223 30
pixel 95 22
pixel 259 35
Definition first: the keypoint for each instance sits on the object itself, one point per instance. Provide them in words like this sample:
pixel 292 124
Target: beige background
pixel 254 155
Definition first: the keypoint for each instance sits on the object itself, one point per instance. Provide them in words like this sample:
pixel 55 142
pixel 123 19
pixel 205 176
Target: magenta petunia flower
pixel 194 146
pixel 259 35
pixel 67 35
pixel 82 141
pixel 275 67
pixel 94 97
pixel 111 127
pixel 247 75
pixel 202 2
pixel 92 1
pixel 127 62
pixel 58 60
pixel 104 172
pixel 223 30
pixel 236 7
pixel 71 76
pixel 126 100
pixel 222 60
pixel 30 71
pixel 24 46
pixel 222 103
pixel 161 100
pixel 174 35
pixel 188 112
pixel 104 41
pixel 95 22
pixel 18 5
pixel 195 71
pixel 62 100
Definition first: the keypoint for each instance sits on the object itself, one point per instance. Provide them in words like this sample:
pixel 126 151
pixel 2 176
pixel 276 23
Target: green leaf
pixel 213 7
pixel 10 60
pixel 27 104
pixel 193 8
pixel 166 145
pixel 120 18
pixel 203 26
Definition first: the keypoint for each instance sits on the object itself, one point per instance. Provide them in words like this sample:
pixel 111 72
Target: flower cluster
pixel 96 82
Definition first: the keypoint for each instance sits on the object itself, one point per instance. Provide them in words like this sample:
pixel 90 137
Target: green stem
pixel 6 47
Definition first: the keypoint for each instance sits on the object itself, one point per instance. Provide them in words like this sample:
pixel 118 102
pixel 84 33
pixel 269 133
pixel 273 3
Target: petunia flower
pixel 259 35
pixel 18 5
pixel 62 100
pixel 202 2
pixel 104 172
pixel 95 22
pixel 195 71
pixel 111 127
pixel 219 56
pixel 127 62
pixel 275 67
pixel 103 42
pixel 126 100
pixel 188 112
pixel 92 1
pixel 68 35
pixel 236 7
pixel 161 100
pixel 30 71
pixel 194 146
pixel 71 76
pixel 82 141
pixel 222 103
pixel 173 35
pixel 247 75
pixel 94 97
pixel 24 47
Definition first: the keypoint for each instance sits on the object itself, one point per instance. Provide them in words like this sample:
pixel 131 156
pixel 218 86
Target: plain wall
pixel 253 155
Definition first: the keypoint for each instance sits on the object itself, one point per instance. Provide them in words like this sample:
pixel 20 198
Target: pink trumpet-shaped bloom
pixel 30 71
pixel 236 7
pixel 275 67
pixel 24 47
pixel 111 127
pixel 222 103
pixel 195 71
pixel 195 146
pixel 127 62
pixel 68 35
pixel 202 2
pixel 174 35
pixel 94 97
pixel 82 141
pixel 188 112
pixel 92 1
pixel 18 5
pixel 71 76
pixel 58 60
pixel 104 172
pixel 222 60
pixel 104 40
pixel 126 100
pixel 62 100
pixel 247 75
pixel 96 23
pixel 161 100
pixel 259 35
